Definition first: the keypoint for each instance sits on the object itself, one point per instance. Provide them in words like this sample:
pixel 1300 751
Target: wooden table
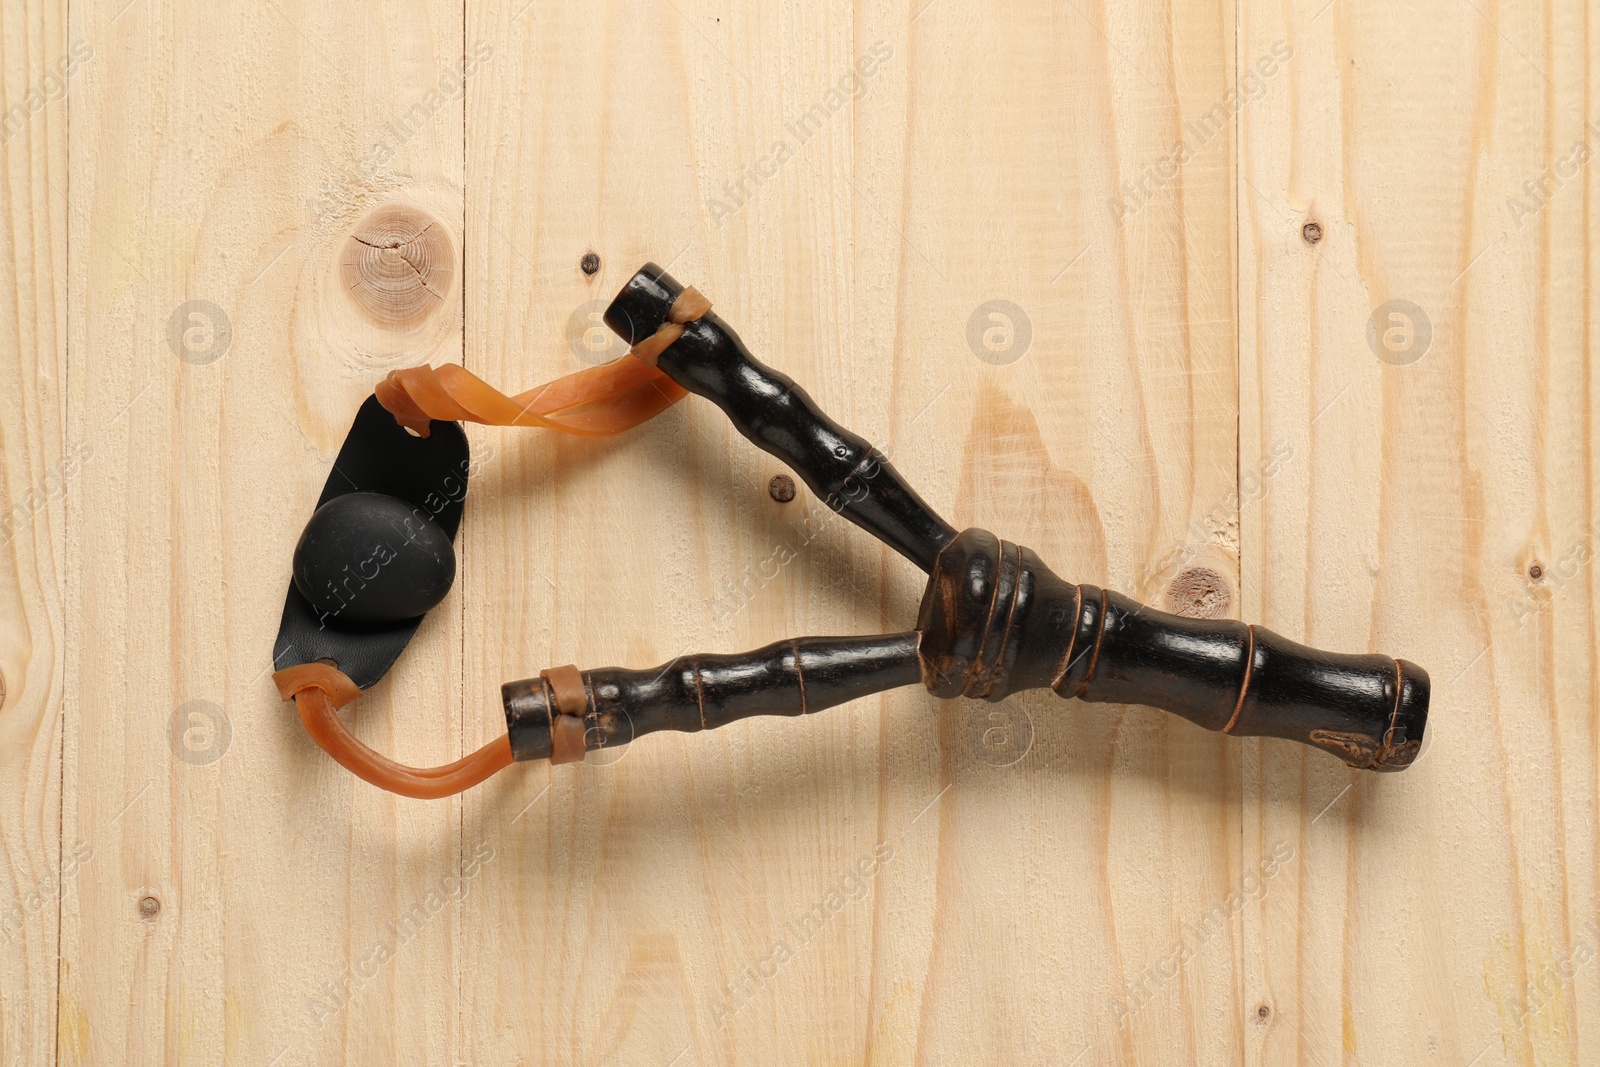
pixel 1279 311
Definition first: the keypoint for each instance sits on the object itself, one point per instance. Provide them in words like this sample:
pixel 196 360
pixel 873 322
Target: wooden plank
pixel 1439 505
pixel 40 470
pixel 656 909
pixel 249 900
pixel 1104 448
pixel 898 880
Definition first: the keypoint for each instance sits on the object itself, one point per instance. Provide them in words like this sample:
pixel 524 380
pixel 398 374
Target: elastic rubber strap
pixel 319 688
pixel 597 402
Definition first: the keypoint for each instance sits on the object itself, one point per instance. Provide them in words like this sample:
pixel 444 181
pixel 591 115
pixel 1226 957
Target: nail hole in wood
pixel 397 265
pixel 781 488
pixel 149 907
pixel 1199 593
pixel 590 263
pixel 1312 232
pixel 1535 572
pixel 1263 1013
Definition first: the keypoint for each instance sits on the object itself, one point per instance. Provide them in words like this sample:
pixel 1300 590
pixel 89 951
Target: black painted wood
pixel 777 416
pixel 995 620
pixel 692 693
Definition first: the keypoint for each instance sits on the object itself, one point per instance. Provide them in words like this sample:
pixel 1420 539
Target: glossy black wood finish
pixel 994 620
pixel 776 415
pixel 691 693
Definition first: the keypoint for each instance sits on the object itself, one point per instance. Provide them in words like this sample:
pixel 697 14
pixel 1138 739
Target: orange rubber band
pixel 597 402
pixel 319 688
pixel 568 741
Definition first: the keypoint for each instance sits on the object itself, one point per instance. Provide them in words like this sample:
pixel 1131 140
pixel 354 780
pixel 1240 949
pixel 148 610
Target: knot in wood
pixel 1199 593
pixel 397 265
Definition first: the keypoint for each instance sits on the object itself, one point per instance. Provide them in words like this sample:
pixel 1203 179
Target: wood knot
pixel 1199 593
pixel 397 265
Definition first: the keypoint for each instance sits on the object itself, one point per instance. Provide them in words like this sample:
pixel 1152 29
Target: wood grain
pixel 40 473
pixel 1051 259
pixel 1447 914
pixel 249 900
pixel 851 251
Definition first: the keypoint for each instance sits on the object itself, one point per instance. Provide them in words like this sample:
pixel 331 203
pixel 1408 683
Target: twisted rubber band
pixel 597 402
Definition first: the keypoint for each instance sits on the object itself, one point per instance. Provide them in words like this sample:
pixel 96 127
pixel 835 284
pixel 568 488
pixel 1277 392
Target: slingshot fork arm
pixel 995 620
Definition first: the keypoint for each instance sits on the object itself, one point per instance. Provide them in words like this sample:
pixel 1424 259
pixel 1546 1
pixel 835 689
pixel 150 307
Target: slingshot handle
pixel 779 417
pixel 995 620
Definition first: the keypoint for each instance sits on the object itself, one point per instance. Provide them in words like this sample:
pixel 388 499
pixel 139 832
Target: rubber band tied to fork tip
pixel 317 689
pixel 570 703
pixel 597 402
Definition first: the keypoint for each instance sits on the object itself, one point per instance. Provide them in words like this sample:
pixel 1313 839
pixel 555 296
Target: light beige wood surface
pixel 185 877
pixel 1445 506
pixel 34 875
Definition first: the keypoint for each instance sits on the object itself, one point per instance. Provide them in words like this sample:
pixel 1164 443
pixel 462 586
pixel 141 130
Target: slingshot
pixel 994 620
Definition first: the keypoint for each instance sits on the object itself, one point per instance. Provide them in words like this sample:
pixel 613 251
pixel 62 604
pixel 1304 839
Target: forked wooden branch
pixel 994 619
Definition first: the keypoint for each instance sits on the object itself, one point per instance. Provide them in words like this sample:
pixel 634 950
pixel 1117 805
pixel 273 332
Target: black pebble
pixel 372 558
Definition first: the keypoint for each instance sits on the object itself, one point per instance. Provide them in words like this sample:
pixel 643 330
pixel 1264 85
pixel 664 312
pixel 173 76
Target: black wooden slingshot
pixel 994 620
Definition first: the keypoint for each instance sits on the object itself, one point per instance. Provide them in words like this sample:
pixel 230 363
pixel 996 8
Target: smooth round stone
pixel 372 558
